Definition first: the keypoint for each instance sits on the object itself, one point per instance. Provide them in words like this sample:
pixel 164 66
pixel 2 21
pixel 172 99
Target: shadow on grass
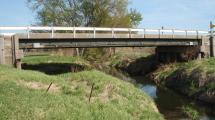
pixel 54 68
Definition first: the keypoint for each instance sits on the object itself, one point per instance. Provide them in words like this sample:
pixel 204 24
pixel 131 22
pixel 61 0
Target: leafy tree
pixel 98 13
pixel 93 13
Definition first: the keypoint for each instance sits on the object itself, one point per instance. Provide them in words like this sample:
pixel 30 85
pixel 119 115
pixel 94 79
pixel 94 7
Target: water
pixel 169 103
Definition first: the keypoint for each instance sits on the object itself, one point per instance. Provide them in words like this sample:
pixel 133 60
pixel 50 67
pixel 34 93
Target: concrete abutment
pixel 205 49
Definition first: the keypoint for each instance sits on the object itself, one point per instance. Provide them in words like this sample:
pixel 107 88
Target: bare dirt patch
pixel 104 96
pixel 38 86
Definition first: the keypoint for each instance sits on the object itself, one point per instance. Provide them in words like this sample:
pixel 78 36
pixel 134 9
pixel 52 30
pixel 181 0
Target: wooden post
pixel 18 64
pixel 91 92
pixel 49 87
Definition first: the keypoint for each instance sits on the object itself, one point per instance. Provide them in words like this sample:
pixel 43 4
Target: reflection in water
pixel 169 103
pixel 149 89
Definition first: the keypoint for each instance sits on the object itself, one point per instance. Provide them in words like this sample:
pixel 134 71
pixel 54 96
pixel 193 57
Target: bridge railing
pixel 94 30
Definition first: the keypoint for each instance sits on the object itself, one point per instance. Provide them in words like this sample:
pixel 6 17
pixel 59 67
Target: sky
pixel 171 14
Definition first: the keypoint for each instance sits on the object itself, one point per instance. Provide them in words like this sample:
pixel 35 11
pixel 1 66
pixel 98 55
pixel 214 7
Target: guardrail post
pixel 74 33
pixel 197 33
pixel 28 32
pixel 113 34
pixel 52 32
pixel 144 32
pixel 186 33
pixel 94 32
pixel 129 33
pixel 159 33
pixel 173 33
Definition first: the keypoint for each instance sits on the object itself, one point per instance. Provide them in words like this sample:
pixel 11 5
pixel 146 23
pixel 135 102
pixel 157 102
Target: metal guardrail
pixel 113 31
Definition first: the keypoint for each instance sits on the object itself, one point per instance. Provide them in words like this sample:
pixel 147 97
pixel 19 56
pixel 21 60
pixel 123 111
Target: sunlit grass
pixel 54 59
pixel 112 99
pixel 204 68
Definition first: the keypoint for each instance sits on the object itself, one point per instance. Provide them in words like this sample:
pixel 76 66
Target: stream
pixel 168 102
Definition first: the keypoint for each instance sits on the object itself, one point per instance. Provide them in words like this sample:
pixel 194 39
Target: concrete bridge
pixel 167 41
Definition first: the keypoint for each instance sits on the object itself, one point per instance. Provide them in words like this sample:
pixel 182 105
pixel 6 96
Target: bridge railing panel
pixel 94 32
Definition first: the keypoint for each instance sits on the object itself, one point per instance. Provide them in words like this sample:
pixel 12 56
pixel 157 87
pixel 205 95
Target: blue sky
pixel 178 14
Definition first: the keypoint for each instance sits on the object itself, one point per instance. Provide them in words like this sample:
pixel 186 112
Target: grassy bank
pixel 24 96
pixel 195 78
pixel 41 59
pixel 138 65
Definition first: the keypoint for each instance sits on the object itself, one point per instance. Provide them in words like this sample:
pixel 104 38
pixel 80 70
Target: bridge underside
pixel 103 42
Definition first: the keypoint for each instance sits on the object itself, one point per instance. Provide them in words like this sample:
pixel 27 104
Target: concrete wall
pixel 8 51
pixel 212 46
pixel 2 58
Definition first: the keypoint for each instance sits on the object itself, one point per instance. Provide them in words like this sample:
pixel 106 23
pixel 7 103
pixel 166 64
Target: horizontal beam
pixel 38 28
pixel 104 42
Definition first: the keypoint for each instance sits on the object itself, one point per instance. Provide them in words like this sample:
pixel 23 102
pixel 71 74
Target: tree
pixel 97 13
pixel 93 13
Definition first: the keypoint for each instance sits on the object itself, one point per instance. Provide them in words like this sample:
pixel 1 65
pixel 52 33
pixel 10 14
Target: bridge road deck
pixel 65 40
pixel 53 37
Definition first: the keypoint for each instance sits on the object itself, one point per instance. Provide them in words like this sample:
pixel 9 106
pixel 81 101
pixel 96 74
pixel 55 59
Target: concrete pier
pixel 212 46
pixel 2 55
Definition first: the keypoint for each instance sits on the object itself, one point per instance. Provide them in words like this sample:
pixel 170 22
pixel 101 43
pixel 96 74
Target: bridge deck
pixel 62 40
pixel 52 37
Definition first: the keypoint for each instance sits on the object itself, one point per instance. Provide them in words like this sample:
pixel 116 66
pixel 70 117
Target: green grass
pixel 54 59
pixel 112 99
pixel 123 57
pixel 189 75
pixel 190 112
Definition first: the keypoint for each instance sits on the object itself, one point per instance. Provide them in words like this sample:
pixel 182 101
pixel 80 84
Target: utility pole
pixel 212 42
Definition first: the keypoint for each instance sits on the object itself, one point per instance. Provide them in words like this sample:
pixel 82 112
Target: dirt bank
pixel 195 79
